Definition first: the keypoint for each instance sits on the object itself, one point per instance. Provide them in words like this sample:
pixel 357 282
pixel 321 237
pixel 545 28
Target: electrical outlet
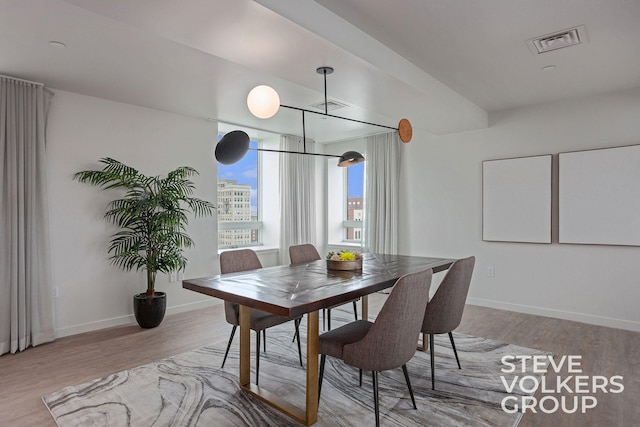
pixel 491 271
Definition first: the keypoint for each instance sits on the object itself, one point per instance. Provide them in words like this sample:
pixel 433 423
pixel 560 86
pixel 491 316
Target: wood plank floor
pixel 26 377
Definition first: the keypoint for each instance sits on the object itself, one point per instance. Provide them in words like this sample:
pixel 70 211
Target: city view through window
pixel 355 201
pixel 238 223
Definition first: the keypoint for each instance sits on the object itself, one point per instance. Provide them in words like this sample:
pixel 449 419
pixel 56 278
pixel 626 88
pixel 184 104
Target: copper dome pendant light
pixel 263 102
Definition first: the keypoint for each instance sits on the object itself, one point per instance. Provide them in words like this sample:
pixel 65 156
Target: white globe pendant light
pixel 263 101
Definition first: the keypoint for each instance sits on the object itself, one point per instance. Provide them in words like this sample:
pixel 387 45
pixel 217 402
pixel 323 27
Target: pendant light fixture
pixel 264 102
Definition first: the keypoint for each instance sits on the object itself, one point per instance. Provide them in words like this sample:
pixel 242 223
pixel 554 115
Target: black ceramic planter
pixel 149 311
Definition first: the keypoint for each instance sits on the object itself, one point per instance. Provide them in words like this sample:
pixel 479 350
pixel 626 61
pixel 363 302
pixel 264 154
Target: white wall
pixel 92 293
pixel 441 212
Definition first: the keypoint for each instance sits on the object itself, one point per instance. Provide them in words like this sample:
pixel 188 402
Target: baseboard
pixel 194 305
pixel 130 319
pixel 558 314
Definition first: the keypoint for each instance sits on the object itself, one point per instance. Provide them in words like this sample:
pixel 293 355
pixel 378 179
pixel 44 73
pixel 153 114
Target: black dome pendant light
pixel 232 147
pixel 264 102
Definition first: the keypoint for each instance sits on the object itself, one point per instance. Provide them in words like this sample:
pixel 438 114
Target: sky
pixel 355 177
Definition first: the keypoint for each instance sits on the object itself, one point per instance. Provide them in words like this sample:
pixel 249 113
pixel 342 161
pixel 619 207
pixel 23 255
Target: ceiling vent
pixel 559 40
pixel 331 105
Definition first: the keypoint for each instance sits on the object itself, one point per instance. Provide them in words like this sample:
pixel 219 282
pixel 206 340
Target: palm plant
pixel 152 217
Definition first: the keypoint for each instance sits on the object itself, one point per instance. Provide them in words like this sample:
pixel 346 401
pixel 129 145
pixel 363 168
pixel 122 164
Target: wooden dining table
pixel 294 290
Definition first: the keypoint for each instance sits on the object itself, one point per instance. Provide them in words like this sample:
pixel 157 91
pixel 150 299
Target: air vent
pixel 559 40
pixel 331 105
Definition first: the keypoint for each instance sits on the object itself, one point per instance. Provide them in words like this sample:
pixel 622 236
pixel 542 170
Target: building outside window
pixel 238 222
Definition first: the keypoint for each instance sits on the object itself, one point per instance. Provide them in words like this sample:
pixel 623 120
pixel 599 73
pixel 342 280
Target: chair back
pixel 444 311
pixel 239 260
pixel 300 254
pixel 391 341
pixel 233 262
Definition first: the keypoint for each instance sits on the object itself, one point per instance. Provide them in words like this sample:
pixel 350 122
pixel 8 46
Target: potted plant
pixel 152 217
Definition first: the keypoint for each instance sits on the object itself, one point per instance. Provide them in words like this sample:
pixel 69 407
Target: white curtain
pixel 26 305
pixel 382 193
pixel 297 196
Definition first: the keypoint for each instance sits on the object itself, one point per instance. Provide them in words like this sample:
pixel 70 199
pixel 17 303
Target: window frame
pixel 337 208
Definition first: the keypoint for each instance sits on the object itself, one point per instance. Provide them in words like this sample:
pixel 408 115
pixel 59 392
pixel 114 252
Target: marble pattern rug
pixel 190 389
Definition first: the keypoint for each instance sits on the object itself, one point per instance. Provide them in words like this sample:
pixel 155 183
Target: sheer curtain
pixel 26 306
pixel 297 196
pixel 382 193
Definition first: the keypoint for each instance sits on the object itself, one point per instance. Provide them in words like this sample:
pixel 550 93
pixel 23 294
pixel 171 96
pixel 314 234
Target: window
pixel 355 203
pixel 238 222
pixel 345 198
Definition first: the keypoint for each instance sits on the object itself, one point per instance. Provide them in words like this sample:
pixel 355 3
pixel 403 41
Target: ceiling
pixel 444 65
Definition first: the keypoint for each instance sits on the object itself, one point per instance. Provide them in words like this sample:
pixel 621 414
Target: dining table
pixel 303 289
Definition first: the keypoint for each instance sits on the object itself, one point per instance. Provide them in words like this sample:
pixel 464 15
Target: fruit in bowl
pixel 344 260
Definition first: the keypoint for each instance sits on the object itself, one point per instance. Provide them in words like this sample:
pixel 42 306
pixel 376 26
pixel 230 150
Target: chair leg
pixel 299 346
pixel 406 377
pixel 355 310
pixel 264 340
pixel 433 367
pixel 323 357
pixel 324 315
pixel 257 355
pixel 453 345
pixel 374 375
pixel 360 377
pixel 226 353
pixel 328 319
pixel 296 335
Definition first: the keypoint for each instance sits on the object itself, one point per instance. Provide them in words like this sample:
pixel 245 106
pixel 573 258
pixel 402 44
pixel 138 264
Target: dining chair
pixel 389 342
pixel 245 260
pixel 444 310
pixel 300 254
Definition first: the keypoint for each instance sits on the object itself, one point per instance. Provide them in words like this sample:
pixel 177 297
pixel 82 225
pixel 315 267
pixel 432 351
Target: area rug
pixel 190 389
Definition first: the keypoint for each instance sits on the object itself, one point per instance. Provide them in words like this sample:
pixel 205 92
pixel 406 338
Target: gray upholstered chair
pixel 444 310
pixel 388 343
pixel 306 252
pixel 244 260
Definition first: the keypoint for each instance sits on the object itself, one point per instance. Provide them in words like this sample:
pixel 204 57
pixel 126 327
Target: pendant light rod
pixel 293 152
pixel 337 117
pixel 304 135
pixel 234 145
pixel 325 71
pixel 347 159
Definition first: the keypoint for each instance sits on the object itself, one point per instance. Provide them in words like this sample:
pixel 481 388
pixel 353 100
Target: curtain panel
pixel 382 190
pixel 297 196
pixel 26 303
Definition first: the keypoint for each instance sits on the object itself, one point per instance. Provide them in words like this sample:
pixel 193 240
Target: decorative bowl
pixel 344 265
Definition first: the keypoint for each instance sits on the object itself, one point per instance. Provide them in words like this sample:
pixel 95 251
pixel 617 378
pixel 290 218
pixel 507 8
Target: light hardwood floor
pixel 26 377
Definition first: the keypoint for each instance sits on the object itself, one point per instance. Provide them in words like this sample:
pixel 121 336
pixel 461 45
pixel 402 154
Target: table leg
pixel 425 343
pixel 245 345
pixel 306 416
pixel 365 307
pixel 313 343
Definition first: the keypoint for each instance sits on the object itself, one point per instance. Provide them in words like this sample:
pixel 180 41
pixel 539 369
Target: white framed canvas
pixel 599 196
pixel 516 199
